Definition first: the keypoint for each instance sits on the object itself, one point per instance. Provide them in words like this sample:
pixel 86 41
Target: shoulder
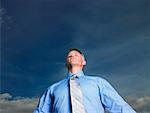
pixel 50 89
pixel 95 78
pixel 98 79
pixel 57 84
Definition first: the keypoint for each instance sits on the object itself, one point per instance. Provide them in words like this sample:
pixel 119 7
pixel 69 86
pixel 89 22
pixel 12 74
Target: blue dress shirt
pixel 98 96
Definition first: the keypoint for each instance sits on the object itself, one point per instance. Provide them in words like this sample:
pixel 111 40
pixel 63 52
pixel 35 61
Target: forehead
pixel 74 51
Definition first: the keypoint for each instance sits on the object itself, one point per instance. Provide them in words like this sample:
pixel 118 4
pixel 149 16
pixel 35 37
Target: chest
pixel 90 89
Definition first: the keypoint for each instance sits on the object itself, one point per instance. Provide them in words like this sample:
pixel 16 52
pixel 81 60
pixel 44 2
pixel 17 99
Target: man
pixel 79 93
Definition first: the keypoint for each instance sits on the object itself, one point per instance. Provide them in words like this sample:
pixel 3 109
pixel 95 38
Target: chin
pixel 74 64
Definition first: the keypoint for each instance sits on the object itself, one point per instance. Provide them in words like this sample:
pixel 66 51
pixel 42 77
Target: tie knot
pixel 74 77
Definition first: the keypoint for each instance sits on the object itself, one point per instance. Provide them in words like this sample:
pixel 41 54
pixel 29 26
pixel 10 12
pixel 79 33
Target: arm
pixel 111 100
pixel 45 103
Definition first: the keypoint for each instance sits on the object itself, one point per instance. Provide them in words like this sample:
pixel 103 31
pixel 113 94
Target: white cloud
pixel 141 104
pixel 16 105
pixel 8 104
pixel 5 96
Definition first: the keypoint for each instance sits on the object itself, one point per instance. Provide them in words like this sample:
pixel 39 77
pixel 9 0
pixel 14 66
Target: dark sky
pixel 114 36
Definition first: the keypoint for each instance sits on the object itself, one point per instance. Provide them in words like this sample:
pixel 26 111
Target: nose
pixel 71 55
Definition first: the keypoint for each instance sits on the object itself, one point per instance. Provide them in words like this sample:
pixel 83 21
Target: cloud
pixel 5 96
pixel 5 19
pixel 141 105
pixel 10 104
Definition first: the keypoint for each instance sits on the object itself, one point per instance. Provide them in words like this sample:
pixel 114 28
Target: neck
pixel 74 70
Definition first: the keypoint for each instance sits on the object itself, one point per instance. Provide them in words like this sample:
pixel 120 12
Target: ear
pixel 84 62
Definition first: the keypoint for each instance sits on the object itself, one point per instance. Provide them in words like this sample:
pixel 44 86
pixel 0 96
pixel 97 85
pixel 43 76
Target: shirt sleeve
pixel 111 100
pixel 45 103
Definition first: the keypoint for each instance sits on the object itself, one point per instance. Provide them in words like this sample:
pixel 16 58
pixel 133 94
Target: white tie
pixel 76 96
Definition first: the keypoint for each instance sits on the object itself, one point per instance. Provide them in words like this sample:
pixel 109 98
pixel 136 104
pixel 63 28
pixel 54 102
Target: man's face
pixel 74 58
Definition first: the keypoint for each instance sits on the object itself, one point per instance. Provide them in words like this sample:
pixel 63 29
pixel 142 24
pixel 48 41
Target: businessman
pixel 80 93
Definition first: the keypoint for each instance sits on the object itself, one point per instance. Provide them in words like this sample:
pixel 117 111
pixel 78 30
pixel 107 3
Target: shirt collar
pixel 78 74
